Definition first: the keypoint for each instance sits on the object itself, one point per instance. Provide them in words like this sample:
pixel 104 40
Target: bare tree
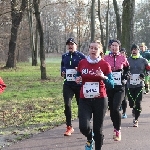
pixel 118 19
pixel 128 24
pixel 40 30
pixel 33 39
pixel 16 14
pixel 93 20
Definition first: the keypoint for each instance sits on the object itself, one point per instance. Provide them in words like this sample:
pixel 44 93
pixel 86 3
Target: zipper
pixel 71 59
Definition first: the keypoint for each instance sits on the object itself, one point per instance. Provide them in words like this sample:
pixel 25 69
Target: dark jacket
pixel 70 60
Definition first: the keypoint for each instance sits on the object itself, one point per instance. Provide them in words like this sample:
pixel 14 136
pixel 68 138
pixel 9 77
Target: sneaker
pixel 114 134
pixel 124 116
pixel 133 112
pixel 118 136
pixel 120 108
pixel 146 92
pixel 69 131
pixel 135 123
pixel 89 145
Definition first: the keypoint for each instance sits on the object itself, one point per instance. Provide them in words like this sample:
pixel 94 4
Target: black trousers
pixel 124 102
pixel 97 107
pixel 135 96
pixel 68 93
pixel 115 98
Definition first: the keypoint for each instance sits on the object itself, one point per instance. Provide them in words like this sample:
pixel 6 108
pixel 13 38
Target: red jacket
pixel 2 85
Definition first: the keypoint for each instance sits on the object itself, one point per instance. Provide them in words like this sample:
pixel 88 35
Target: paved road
pixel 132 138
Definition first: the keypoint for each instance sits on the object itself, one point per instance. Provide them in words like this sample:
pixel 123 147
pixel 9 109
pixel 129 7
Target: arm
pixel 62 67
pixel 109 82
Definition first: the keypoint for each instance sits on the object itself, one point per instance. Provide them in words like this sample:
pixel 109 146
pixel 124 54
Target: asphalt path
pixel 132 138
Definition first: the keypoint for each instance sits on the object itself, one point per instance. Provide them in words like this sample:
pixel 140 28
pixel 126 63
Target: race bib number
pixel 70 74
pixel 117 78
pixel 91 89
pixel 135 79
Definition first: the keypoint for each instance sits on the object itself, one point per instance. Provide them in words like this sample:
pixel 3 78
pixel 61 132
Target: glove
pixel 142 76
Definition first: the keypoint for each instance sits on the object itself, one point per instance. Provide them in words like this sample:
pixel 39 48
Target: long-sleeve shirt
pixel 120 68
pixel 90 82
pixel 2 86
pixel 137 66
pixel 69 61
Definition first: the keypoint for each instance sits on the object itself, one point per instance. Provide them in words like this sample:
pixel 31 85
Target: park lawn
pixel 30 104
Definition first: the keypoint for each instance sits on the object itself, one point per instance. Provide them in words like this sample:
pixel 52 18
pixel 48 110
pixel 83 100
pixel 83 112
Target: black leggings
pixel 135 96
pixel 115 98
pixel 97 107
pixel 124 102
pixel 68 93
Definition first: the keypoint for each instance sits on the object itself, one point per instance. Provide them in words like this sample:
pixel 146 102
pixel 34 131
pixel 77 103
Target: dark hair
pixel 134 46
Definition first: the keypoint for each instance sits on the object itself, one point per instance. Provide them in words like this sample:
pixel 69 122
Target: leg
pixel 138 101
pixel 85 115
pixel 98 118
pixel 124 102
pixel 77 95
pixel 68 95
pixel 118 97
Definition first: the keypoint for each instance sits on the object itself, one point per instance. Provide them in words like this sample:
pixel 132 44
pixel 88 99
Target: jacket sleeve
pixel 109 82
pixel 2 86
pixel 62 66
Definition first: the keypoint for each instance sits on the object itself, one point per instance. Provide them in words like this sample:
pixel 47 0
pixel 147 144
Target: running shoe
pixel 118 136
pixel 120 108
pixel 133 112
pixel 124 116
pixel 114 133
pixel 89 145
pixel 69 131
pixel 135 123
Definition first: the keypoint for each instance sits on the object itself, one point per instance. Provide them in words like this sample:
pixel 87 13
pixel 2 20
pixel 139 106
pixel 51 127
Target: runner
pixel 95 73
pixel 145 54
pixel 120 68
pixel 69 63
pixel 135 83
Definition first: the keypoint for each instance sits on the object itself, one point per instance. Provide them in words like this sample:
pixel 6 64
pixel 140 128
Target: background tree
pixel 40 30
pixel 93 20
pixel 16 14
pixel 128 24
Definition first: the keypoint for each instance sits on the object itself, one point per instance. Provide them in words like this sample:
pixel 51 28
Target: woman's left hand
pixel 100 73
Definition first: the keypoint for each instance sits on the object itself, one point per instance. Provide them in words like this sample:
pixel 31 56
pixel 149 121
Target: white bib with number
pixel 70 74
pixel 91 89
pixel 117 78
pixel 135 79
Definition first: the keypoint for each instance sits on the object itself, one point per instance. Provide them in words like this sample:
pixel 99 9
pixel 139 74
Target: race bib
pixel 70 74
pixel 91 89
pixel 135 79
pixel 117 78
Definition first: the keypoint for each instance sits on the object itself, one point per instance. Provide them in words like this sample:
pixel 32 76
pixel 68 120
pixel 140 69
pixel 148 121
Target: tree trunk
pixel 93 20
pixel 40 30
pixel 118 20
pixel 16 19
pixel 127 24
pixel 100 21
pixel 32 37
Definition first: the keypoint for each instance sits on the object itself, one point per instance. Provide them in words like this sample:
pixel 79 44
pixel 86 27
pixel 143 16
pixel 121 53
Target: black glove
pixel 142 75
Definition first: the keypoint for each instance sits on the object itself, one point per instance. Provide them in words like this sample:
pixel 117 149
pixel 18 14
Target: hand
pixel 78 80
pixel 100 73
pixel 76 68
pixel 142 76
pixel 63 74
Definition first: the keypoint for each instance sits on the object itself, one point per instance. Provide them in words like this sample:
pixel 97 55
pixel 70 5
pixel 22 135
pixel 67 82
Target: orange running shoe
pixel 69 131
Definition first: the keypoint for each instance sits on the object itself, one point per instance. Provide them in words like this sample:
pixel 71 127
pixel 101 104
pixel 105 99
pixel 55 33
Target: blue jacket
pixel 70 60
